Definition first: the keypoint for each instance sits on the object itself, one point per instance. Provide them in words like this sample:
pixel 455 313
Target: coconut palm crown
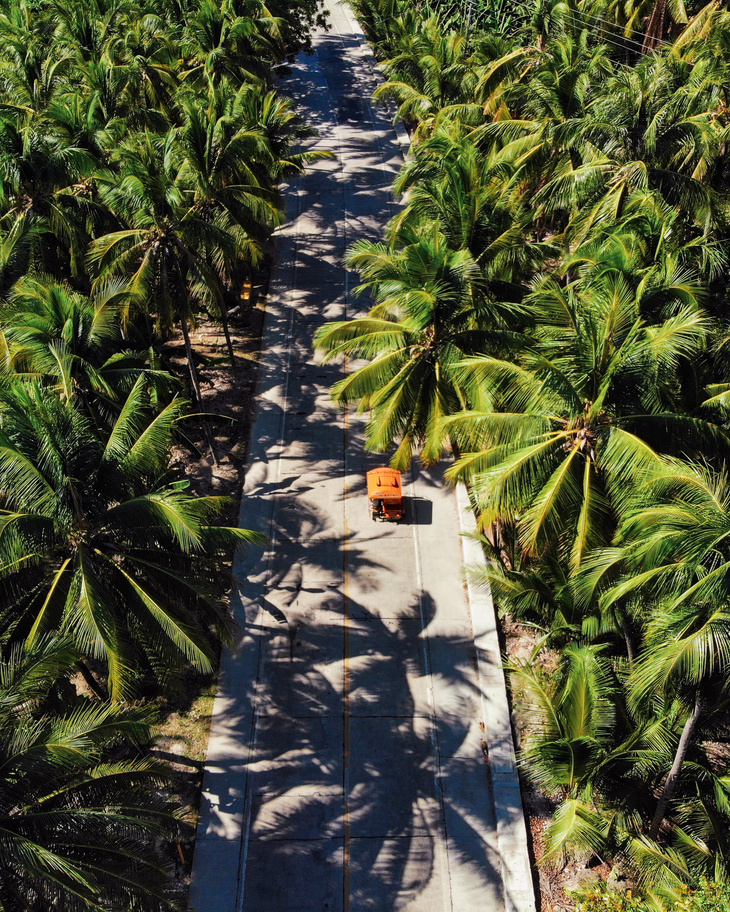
pixel 98 541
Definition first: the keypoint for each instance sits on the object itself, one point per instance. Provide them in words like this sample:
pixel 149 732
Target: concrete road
pixel 346 769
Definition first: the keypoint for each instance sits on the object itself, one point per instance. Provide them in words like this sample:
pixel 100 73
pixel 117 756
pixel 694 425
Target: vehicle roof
pixel 384 482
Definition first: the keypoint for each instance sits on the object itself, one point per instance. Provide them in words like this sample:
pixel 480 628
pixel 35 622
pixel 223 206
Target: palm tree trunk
pixel 628 638
pixel 91 681
pixel 194 380
pixel 227 334
pixel 630 650
pixel 671 780
pixel 655 27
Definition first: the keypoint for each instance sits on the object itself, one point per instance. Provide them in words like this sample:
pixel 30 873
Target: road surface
pixel 346 769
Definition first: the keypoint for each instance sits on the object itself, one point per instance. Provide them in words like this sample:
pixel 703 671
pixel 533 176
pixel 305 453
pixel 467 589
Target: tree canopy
pixel 550 311
pixel 141 148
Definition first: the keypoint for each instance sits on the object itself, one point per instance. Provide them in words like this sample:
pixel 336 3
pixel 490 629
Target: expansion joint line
pixel 346 696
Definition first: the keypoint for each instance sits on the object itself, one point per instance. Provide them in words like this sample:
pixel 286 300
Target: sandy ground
pixel 228 396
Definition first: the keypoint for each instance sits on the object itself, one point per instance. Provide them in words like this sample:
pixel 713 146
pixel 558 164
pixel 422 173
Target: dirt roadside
pixel 181 735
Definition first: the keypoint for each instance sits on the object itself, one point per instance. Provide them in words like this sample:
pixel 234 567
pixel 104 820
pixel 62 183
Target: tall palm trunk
pixel 227 334
pixel 227 290
pixel 671 780
pixel 194 379
pixel 195 382
pixel 91 681
pixel 629 639
pixel 655 27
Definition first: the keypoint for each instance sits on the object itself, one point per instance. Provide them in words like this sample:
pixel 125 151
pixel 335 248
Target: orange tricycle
pixel 385 494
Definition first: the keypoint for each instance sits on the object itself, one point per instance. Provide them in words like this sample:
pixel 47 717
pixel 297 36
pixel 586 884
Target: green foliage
pixel 141 145
pixel 98 543
pixel 78 811
pixel 491 16
pixel 708 896
pixel 605 898
pixel 577 170
pixel 422 325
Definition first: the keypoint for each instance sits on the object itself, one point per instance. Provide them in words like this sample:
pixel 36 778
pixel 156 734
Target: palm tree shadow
pixel 340 703
pixel 385 801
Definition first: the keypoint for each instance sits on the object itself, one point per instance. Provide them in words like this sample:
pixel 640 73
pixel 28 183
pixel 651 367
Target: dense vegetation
pixel 141 145
pixel 551 305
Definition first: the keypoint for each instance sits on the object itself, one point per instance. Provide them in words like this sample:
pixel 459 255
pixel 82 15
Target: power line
pixel 616 32
pixel 619 33
pixel 614 25
pixel 580 20
pixel 620 38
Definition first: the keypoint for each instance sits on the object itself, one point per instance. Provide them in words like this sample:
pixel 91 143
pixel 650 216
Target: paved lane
pixel 345 768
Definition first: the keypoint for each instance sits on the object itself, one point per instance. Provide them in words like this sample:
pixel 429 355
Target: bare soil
pixel 228 399
pixel 214 461
pixel 553 878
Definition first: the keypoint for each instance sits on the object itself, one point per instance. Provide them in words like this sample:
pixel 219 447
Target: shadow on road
pixel 363 773
pixel 419 511
pixel 397 694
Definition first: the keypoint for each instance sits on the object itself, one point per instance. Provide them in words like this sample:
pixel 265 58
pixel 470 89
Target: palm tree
pixel 297 21
pixel 81 823
pixel 672 542
pixel 544 127
pixel 74 343
pixel 30 73
pixel 430 314
pixel 172 255
pixel 146 54
pixel 541 596
pixel 675 564
pixel 227 162
pixel 556 438
pixel 18 251
pixel 276 120
pixel 235 149
pixel 465 191
pixel 634 19
pixel 659 127
pixel 686 656
pixel 387 23
pixel 605 755
pixel 234 46
pixel 430 72
pixel 42 177
pixel 91 121
pixel 97 540
pixel 585 746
